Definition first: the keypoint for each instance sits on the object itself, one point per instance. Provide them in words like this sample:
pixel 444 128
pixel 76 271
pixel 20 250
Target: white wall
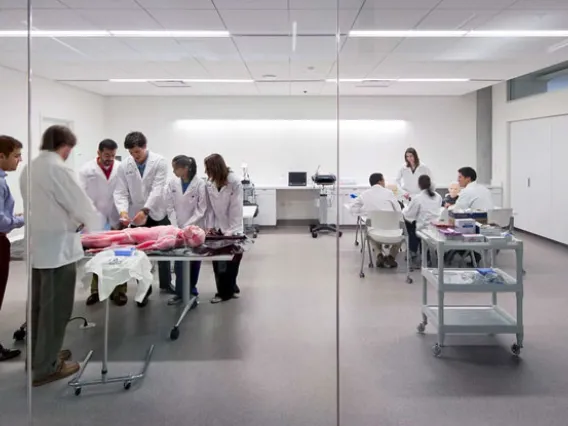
pixel 51 100
pixel 544 105
pixel 442 129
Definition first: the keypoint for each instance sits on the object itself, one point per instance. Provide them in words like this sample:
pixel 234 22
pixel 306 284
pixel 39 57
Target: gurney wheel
pixel 314 234
pixel 421 328
pixel 77 391
pixel 340 234
pixel 362 275
pixel 409 280
pixel 356 243
pixel 516 349
pixel 255 235
pixel 174 334
pixel 437 350
pixel 127 385
pixel 19 335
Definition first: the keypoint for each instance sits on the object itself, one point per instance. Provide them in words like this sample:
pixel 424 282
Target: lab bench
pixel 488 319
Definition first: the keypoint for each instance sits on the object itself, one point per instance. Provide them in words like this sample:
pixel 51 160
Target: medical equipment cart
pixel 473 319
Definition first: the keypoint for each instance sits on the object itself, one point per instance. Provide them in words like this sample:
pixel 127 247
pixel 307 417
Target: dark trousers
pixel 53 295
pixel 194 268
pixel 164 268
pixel 413 240
pixel 226 273
pixel 4 266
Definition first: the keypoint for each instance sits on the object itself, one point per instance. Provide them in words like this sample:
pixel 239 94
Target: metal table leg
pixel 189 300
pixel 127 381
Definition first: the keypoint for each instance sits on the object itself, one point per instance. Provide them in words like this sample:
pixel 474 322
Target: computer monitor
pixel 297 178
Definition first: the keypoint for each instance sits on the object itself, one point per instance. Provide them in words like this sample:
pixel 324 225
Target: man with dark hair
pixel 98 178
pixel 473 196
pixel 60 209
pixel 139 194
pixel 10 157
pixel 378 198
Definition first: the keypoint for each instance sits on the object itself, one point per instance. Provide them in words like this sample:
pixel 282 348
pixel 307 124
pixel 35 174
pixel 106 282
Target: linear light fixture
pixel 185 80
pixel 113 33
pixel 400 80
pixel 458 34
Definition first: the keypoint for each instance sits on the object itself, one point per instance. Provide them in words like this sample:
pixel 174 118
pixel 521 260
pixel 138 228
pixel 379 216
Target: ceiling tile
pixel 273 88
pixel 323 21
pixel 101 4
pixel 216 49
pixel 306 88
pixel 315 48
pixel 251 4
pixel 455 19
pixel 156 49
pixel 302 69
pixel 367 49
pixel 176 4
pixel 259 69
pixel 373 19
pixel 226 69
pixel 14 19
pixel 181 19
pixel 37 4
pixel 256 21
pixel 401 4
pixel 265 48
pixel 106 50
pixel 109 19
pixel 540 4
pixel 325 4
pixel 425 46
pixel 62 19
pixel 477 4
pixel 527 20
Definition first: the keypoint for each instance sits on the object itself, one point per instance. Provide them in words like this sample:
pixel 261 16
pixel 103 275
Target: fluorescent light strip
pixel 185 80
pixel 399 80
pixel 112 33
pixel 458 34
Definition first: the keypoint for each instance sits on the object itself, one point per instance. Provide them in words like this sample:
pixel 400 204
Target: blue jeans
pixel 194 268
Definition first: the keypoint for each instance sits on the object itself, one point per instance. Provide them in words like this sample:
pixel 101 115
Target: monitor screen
pixel 297 178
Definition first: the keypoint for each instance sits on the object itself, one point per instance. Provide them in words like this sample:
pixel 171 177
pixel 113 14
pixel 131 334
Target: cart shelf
pixel 453 284
pixel 473 319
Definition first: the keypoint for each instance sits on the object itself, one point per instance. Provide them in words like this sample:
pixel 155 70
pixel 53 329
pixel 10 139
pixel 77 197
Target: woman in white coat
pixel 225 217
pixel 422 209
pixel 186 198
pixel 407 178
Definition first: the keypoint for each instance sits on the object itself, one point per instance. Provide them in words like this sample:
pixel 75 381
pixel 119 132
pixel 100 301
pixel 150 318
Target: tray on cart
pixel 461 280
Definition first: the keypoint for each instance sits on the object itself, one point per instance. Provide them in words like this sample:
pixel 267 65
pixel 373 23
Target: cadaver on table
pixel 157 238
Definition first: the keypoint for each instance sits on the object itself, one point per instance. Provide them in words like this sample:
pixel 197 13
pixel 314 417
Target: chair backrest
pixel 385 220
pixel 500 217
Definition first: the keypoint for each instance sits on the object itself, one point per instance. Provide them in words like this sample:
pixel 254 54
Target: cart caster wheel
pixel 437 350
pixel 516 349
pixel 340 234
pixel 409 280
pixel 356 243
pixel 421 328
pixel 314 234
pixel 312 227
pixel 19 335
pixel 174 334
pixel 127 385
pixel 77 391
pixel 255 235
pixel 362 275
pixel 371 265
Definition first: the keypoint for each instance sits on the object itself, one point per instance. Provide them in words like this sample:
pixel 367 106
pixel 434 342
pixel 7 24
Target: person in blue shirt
pixel 10 157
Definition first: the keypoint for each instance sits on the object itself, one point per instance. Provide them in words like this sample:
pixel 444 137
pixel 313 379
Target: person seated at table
pixel 473 196
pixel 186 197
pixel 378 198
pixel 452 196
pixel 420 211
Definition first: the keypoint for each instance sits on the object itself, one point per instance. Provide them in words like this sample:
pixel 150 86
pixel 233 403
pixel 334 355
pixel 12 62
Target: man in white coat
pixel 378 198
pixel 98 178
pixel 473 196
pixel 139 194
pixel 61 208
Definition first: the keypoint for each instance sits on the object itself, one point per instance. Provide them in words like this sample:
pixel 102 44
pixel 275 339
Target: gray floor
pixel 269 358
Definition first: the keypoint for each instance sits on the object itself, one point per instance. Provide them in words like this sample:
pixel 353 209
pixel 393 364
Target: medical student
pixel 473 196
pixel 60 209
pixel 139 194
pixel 186 197
pixel 225 217
pixel 378 198
pixel 98 178
pixel 407 178
pixel 10 157
pixel 420 211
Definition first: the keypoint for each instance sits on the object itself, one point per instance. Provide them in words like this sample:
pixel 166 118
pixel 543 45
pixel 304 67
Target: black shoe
pixel 145 301
pixel 380 260
pixel 119 299
pixel 93 299
pixel 7 354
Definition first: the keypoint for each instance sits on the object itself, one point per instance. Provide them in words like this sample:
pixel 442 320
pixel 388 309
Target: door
pixel 559 176
pixel 520 179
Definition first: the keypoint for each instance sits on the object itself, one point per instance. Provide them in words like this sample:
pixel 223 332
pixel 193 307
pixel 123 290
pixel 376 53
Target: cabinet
pixel 266 200
pixel 345 199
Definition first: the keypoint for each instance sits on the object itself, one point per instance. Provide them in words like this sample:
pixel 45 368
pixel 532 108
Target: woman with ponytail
pixel 421 210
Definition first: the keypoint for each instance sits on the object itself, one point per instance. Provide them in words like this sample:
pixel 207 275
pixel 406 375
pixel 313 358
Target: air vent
pixel 170 83
pixel 375 83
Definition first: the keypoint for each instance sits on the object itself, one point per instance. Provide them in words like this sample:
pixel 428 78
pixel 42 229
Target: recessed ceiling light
pixel 269 77
pixel 458 34
pixel 401 80
pixel 185 80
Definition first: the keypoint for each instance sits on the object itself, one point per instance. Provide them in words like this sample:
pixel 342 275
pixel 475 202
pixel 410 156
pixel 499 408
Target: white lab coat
pixel 474 197
pixel 225 207
pixel 59 207
pixel 407 180
pixel 423 209
pixel 376 198
pixel 133 192
pixel 189 207
pixel 101 190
